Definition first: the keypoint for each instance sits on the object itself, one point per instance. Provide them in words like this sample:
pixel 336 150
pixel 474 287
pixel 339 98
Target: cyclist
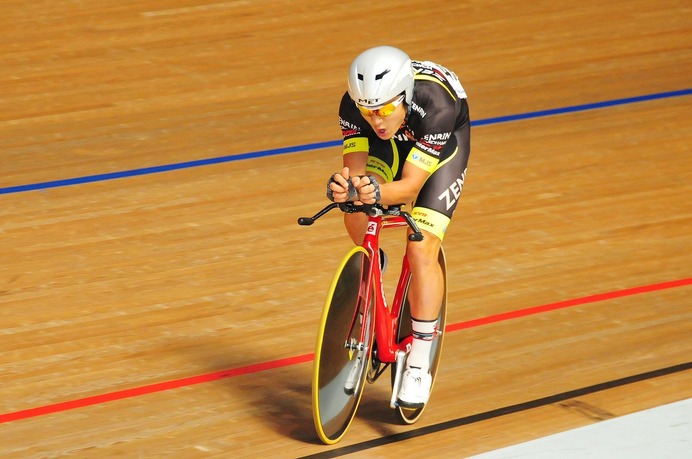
pixel 406 140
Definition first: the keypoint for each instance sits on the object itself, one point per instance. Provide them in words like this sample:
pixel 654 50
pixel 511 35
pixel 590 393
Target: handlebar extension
pixel 374 210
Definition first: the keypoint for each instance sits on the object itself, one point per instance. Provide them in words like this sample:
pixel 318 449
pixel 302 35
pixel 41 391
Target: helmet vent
pixel 379 76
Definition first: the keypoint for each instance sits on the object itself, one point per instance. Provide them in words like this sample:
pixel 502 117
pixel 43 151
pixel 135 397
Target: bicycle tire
pixel 333 406
pixel 411 415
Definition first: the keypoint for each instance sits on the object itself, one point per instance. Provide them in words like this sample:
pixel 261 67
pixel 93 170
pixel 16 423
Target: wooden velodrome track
pixel 158 311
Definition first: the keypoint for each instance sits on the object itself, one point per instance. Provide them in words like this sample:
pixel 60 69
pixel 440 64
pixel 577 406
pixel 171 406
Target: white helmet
pixel 379 75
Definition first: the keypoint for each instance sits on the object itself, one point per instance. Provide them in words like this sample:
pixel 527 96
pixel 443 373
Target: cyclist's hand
pixel 340 188
pixel 368 189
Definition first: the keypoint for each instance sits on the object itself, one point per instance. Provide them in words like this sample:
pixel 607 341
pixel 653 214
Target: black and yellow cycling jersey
pixel 435 137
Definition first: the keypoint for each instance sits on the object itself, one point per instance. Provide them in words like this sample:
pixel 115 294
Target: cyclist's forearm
pixel 399 192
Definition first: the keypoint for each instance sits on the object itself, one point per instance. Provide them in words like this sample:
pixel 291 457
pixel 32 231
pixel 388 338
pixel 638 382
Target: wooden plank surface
pixel 191 278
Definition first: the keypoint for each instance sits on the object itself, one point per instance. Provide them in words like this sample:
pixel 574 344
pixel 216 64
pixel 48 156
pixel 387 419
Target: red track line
pixel 274 364
pixel 152 388
pixel 568 303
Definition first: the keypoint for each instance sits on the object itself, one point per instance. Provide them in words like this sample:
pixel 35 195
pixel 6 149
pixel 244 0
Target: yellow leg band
pixel 431 221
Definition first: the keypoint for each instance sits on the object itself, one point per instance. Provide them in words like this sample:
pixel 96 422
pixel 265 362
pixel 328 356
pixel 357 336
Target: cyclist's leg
pixel 426 280
pixel 433 211
pixel 356 224
pixel 425 295
pixel 411 413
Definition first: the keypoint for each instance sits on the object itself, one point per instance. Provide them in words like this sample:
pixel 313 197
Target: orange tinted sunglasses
pixel 385 110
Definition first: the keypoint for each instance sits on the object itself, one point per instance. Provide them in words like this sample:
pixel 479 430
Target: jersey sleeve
pixel 436 106
pixel 352 128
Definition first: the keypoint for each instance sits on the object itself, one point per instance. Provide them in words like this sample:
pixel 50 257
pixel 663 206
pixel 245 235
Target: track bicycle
pixel 359 335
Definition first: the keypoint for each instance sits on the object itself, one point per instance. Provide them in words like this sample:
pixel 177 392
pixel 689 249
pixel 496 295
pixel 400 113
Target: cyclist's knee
pixel 425 252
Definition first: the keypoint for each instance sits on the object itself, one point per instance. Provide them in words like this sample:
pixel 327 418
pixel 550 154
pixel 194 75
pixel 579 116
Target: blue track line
pixel 328 144
pixel 584 107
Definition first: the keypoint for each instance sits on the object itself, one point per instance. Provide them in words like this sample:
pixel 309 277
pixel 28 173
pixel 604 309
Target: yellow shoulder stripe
pixel 423 160
pixel 356 144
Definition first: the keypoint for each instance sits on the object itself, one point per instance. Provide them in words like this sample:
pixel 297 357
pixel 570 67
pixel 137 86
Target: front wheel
pixel 341 359
pixel 411 415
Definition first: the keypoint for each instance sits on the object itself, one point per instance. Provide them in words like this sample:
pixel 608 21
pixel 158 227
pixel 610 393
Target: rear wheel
pixel 411 415
pixel 341 360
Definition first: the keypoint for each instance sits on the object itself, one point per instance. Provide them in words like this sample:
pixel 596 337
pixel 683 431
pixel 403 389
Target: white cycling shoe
pixel 415 388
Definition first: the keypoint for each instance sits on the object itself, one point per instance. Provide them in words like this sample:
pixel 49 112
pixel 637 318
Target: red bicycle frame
pixel 386 320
